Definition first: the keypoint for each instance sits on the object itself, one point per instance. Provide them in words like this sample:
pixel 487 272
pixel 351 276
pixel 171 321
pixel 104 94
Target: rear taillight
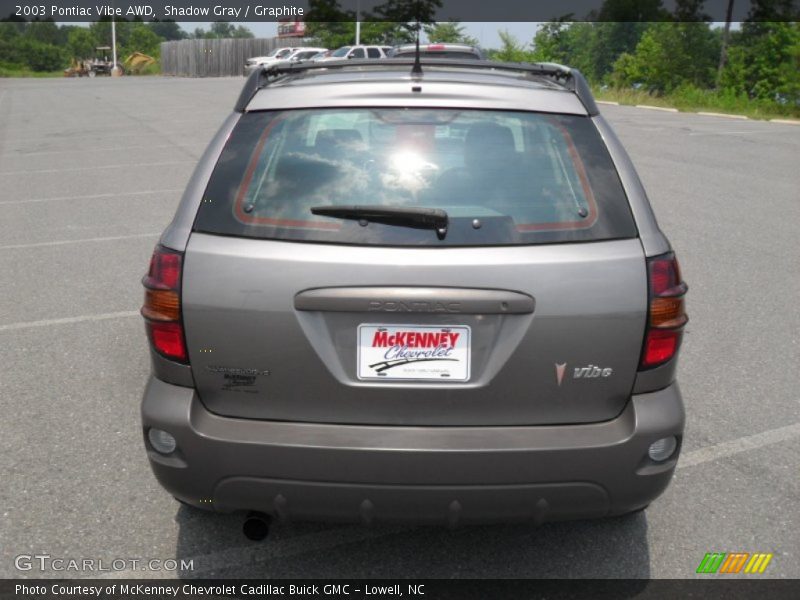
pixel 666 312
pixel 162 304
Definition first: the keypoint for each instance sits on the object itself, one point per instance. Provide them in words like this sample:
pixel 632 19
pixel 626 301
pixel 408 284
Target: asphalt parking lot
pixel 91 172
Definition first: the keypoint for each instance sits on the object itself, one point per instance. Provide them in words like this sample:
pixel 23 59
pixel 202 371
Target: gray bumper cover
pixel 419 474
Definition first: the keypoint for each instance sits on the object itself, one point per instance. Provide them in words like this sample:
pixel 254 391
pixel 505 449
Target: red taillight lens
pixel 666 314
pixel 165 270
pixel 665 277
pixel 660 345
pixel 162 304
pixel 167 339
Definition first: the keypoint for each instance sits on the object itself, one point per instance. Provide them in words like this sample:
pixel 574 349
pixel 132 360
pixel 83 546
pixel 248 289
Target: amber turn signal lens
pixel 161 305
pixel 667 312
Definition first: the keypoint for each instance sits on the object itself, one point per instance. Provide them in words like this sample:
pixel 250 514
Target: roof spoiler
pixel 569 79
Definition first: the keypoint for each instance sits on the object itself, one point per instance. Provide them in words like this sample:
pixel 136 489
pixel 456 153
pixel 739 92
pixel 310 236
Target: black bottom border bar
pixel 727 588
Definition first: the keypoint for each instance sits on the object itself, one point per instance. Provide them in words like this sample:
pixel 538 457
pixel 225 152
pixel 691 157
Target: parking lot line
pixel 724 115
pixel 93 196
pixel 95 168
pixel 106 149
pixel 282 549
pixel 80 241
pixel 69 320
pixel 739 445
pixel 661 108
pixel 331 538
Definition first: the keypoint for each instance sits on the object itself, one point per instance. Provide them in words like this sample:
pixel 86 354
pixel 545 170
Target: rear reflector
pixel 167 339
pixel 660 345
pixel 667 312
pixel 162 305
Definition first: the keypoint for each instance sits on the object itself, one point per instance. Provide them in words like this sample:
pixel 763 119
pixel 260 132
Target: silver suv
pixel 436 295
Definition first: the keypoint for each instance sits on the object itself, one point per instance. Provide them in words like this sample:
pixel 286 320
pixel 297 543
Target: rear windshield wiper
pixel 419 218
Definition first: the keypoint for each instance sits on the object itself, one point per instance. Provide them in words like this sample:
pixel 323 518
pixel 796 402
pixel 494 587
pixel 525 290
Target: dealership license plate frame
pixel 438 370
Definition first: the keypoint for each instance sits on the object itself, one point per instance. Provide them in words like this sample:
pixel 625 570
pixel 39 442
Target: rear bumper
pixel 420 474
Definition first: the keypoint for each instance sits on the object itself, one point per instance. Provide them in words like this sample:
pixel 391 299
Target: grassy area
pixel 16 71
pixel 12 70
pixel 154 69
pixel 696 100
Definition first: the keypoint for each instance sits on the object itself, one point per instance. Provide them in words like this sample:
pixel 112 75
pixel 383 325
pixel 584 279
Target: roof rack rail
pixel 570 79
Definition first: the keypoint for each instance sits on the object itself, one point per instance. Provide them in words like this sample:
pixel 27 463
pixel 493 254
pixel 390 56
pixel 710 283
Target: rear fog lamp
pixel 162 441
pixel 662 449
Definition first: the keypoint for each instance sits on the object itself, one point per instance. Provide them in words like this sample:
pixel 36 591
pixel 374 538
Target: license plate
pixel 420 352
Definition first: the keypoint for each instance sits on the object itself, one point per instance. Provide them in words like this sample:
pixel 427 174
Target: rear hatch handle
pixel 415 299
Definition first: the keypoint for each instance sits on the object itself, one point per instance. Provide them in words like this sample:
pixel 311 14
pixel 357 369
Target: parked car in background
pixel 454 51
pixel 278 54
pixel 363 52
pixel 307 54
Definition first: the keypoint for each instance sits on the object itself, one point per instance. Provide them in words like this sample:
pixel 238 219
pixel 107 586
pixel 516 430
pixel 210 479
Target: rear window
pixel 502 177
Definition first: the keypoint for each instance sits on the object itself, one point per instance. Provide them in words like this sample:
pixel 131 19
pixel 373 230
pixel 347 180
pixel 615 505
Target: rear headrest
pixel 490 137
pixel 488 146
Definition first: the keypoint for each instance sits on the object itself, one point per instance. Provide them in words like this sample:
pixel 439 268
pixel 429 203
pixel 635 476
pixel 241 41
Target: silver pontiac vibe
pixel 432 294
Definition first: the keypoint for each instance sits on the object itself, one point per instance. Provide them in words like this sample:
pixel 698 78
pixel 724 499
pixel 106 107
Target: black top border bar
pixel 397 10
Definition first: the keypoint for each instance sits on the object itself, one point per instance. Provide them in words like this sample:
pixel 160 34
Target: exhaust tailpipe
pixel 256 526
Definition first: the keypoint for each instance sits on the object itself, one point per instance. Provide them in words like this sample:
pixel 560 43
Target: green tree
pixel 611 39
pixel 572 44
pixel 330 26
pixel 670 55
pixel 590 47
pixel 511 50
pixel 224 29
pixel 9 31
pixel 101 30
pixel 45 32
pixel 81 43
pixel 332 34
pixel 764 62
pixel 221 29
pixel 336 34
pixel 168 30
pixel 37 56
pixel 550 43
pixel 142 39
pixel 408 16
pixel 449 32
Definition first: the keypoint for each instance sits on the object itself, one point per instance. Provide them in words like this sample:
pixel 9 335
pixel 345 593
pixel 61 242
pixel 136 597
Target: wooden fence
pixel 215 58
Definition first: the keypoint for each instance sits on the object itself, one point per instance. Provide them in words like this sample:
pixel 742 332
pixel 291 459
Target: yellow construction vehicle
pixel 137 62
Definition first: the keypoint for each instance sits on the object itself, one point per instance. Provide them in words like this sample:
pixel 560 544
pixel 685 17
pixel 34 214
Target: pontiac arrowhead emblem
pixel 560 369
